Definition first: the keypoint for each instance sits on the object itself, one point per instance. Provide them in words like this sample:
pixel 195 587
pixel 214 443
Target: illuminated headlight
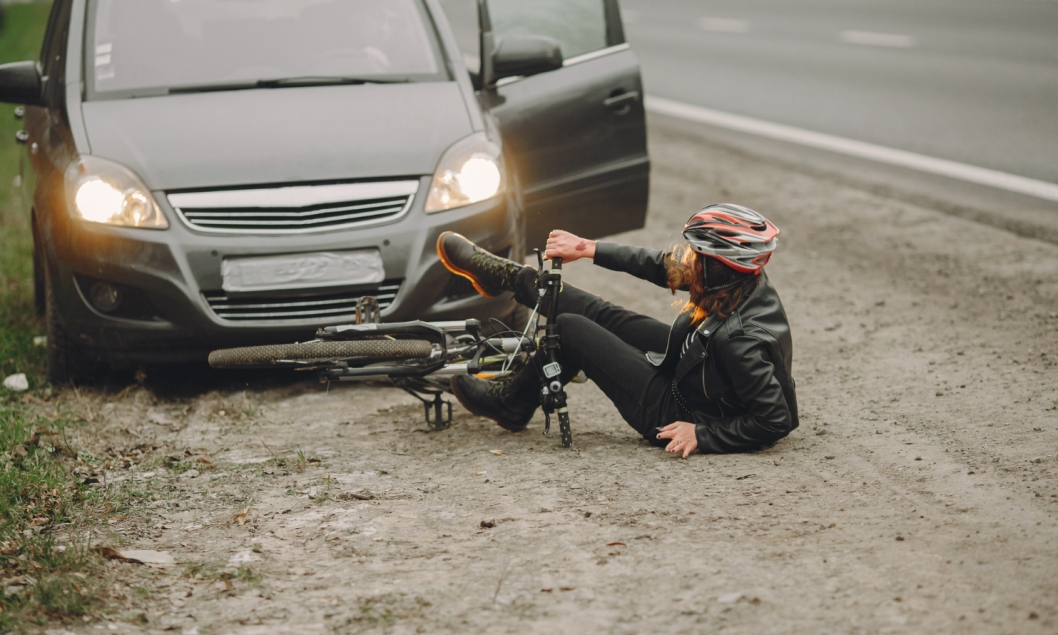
pixel 469 172
pixel 101 191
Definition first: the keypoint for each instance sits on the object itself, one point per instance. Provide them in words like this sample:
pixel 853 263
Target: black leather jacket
pixel 736 377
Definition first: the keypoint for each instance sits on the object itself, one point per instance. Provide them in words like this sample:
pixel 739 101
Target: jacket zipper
pixel 668 343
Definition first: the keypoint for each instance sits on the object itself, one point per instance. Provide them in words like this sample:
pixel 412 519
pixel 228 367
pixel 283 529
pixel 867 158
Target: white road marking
pixel 723 25
pixel 851 147
pixel 869 38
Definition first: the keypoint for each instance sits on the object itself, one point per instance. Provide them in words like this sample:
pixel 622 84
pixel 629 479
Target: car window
pixel 147 46
pixel 579 25
pixel 463 18
pixel 53 51
pixel 49 51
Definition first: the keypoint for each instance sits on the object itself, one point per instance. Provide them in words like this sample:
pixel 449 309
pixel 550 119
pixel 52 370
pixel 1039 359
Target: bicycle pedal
pixel 438 419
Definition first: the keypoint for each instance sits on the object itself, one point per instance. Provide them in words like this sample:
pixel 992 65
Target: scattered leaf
pixel 151 558
pixel 362 495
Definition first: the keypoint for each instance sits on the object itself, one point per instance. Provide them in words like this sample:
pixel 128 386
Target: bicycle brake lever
pixel 539 257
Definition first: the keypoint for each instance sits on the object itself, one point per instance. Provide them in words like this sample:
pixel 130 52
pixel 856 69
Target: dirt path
pixel 919 494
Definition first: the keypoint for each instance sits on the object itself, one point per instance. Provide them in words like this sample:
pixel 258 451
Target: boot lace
pixel 500 388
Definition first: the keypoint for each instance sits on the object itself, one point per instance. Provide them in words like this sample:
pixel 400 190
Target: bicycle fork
pixel 552 393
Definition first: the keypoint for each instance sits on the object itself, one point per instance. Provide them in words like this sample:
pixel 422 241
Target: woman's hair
pixel 684 269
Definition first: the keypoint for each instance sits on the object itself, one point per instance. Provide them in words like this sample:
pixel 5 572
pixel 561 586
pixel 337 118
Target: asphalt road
pixel 974 81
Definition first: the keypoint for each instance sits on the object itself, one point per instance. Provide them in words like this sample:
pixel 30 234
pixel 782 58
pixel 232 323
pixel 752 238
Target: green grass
pixel 20 40
pixel 39 498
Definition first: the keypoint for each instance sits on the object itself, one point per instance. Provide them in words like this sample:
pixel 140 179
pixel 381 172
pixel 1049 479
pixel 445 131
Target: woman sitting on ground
pixel 722 381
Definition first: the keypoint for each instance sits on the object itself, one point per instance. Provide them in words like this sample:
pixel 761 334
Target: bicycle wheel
pixel 319 351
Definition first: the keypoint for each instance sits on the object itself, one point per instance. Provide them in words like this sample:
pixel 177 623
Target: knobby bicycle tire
pixel 319 351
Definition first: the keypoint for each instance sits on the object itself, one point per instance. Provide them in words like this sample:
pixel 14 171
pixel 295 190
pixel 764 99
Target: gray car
pixel 215 173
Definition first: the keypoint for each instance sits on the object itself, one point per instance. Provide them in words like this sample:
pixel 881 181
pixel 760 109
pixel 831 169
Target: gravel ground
pixel 918 495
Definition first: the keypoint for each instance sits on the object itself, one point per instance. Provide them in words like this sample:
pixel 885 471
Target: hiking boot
pixel 490 274
pixel 494 399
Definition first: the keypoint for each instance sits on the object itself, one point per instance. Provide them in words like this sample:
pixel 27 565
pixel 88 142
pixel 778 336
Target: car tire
pixel 65 363
pixel 39 301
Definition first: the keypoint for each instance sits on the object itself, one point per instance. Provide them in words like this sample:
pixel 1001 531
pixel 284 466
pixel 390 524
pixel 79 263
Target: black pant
pixel 609 344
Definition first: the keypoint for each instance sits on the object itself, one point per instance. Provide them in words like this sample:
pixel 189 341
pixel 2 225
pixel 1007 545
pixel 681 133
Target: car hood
pixel 284 135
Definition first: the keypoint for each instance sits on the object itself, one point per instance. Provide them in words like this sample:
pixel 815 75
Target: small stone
pixel 899 538
pixel 40 341
pixel 829 457
pixel 487 524
pixel 918 458
pixel 159 417
pixel 191 474
pixel 16 382
pixel 498 452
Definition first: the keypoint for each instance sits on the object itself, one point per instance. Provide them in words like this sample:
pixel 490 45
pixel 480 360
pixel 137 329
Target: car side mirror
pixel 20 83
pixel 525 55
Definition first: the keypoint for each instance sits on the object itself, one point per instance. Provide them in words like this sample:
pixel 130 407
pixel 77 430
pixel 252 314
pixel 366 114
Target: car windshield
pixel 152 47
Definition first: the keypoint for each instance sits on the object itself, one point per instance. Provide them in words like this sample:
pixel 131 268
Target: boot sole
pixel 454 385
pixel 447 262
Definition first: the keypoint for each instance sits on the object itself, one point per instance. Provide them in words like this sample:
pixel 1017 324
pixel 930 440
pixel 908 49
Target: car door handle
pixel 621 101
pixel 21 136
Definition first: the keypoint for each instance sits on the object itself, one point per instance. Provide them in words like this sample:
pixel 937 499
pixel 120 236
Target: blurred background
pixel 974 81
pixel 21 33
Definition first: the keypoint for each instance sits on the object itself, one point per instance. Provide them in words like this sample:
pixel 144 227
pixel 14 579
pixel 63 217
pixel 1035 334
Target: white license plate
pixel 302 271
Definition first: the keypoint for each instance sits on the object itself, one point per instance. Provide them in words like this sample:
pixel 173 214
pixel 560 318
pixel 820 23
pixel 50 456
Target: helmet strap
pixel 729 285
pixel 739 278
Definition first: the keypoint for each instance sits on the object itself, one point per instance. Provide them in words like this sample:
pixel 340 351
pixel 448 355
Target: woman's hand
pixel 683 438
pixel 564 245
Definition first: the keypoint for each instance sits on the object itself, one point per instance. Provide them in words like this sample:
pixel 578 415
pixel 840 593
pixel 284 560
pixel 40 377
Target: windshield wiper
pixel 327 80
pixel 288 82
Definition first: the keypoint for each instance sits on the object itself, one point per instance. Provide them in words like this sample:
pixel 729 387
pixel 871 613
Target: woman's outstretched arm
pixel 648 264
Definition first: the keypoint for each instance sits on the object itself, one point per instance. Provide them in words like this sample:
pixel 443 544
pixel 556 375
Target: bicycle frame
pixel 420 378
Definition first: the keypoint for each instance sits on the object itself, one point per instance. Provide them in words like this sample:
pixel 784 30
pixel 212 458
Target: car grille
pixel 292 210
pixel 297 308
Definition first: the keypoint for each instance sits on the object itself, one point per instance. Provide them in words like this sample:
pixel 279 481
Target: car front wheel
pixel 39 302
pixel 65 364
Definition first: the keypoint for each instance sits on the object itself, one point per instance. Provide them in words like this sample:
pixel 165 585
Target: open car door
pixel 574 137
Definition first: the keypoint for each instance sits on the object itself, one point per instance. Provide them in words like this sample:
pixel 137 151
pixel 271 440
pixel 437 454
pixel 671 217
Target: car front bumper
pixel 166 277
